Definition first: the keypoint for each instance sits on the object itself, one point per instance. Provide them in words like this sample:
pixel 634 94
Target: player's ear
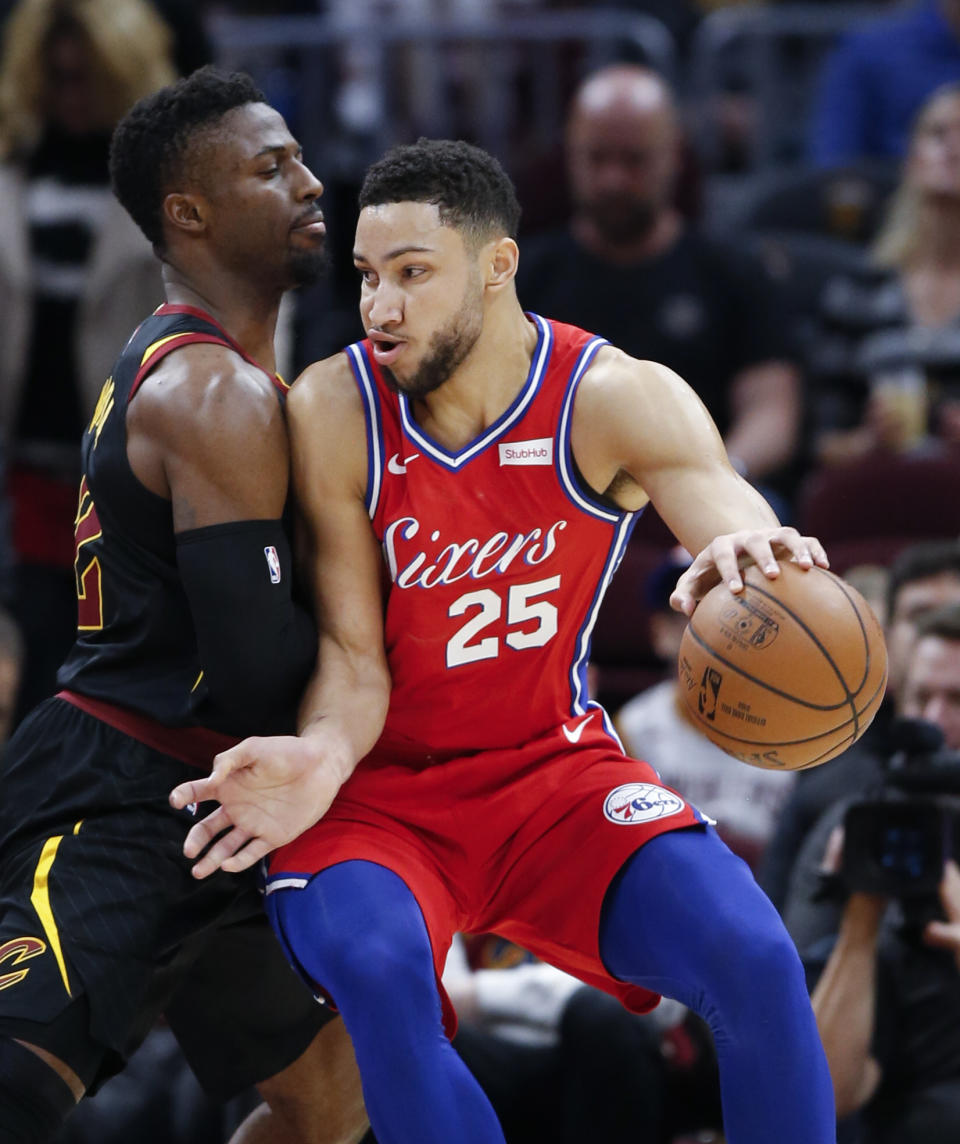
pixel 184 212
pixel 501 263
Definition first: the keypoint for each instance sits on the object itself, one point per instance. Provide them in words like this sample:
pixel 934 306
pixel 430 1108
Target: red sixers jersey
pixel 498 559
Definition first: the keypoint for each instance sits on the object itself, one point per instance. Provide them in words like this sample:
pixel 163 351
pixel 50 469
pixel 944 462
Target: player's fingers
pixel 724 553
pixel 225 764
pixel 692 586
pixel 251 853
pixel 818 552
pixel 196 790
pixel 202 833
pixel 799 547
pixel 760 549
pixel 222 850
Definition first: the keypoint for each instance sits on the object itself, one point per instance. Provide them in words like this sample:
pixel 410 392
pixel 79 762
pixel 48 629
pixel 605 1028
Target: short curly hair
pixel 472 191
pixel 151 144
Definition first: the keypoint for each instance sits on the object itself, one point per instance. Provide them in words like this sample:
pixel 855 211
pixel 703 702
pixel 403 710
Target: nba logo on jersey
pixel 273 563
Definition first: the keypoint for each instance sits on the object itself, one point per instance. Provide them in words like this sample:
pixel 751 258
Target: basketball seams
pixel 818 643
pixel 853 721
pixel 768 686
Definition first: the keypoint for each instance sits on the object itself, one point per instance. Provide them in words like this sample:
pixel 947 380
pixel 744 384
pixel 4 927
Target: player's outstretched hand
pixel 723 558
pixel 269 790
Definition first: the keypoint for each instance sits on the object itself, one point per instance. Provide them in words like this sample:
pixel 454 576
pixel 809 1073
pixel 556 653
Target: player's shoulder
pixel 614 372
pixel 193 374
pixel 326 417
pixel 619 394
pixel 207 392
pixel 328 385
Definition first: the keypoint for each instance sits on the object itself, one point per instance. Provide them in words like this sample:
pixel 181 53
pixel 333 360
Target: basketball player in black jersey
pixel 189 637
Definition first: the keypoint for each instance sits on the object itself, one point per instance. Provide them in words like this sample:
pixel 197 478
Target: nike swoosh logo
pixel 395 465
pixel 574 736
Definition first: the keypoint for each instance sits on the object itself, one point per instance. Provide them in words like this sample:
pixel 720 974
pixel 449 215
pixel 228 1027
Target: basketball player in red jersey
pixel 488 465
pixel 189 637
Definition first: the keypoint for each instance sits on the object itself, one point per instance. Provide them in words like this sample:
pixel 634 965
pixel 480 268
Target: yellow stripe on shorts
pixel 40 900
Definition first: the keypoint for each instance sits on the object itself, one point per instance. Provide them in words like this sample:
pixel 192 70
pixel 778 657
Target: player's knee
pixel 757 967
pixel 34 1101
pixel 387 960
pixel 320 925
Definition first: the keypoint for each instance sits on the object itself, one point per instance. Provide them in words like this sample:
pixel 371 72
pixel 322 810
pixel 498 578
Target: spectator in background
pixel 888 996
pixel 923 577
pixel 562 1063
pixel 11 667
pixel 887 366
pixel 75 277
pixel 656 725
pixel 877 79
pixel 629 268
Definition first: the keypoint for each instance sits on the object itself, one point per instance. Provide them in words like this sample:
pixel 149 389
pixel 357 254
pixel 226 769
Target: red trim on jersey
pixel 174 342
pixel 193 745
pixel 177 341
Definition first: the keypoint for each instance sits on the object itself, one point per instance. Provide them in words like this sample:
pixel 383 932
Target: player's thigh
pixel 98 911
pixel 243 1017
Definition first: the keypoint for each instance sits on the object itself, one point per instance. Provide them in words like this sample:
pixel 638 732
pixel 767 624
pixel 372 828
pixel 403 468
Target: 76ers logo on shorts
pixel 640 802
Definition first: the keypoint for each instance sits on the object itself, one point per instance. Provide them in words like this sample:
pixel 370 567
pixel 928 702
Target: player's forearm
pixel 844 1003
pixel 701 504
pixel 346 703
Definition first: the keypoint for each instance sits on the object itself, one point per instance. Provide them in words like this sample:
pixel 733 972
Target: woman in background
pixel 75 277
pixel 888 364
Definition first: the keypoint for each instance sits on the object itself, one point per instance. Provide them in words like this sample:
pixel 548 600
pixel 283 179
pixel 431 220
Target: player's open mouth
pixel 385 350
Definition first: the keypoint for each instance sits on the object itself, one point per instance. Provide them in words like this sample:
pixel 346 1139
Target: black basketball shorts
pixel 103 928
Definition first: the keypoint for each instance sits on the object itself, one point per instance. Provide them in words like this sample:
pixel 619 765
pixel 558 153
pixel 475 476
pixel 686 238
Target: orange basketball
pixel 786 674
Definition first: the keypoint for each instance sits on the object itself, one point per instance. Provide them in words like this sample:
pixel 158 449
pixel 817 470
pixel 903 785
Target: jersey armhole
pixel 373 422
pixel 571 479
pixel 156 352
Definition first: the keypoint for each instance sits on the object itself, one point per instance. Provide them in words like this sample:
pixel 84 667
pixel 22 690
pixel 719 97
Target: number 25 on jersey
pixel 522 608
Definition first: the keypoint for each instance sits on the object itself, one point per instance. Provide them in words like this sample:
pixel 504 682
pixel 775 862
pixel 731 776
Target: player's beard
pixel 448 347
pixel 307 266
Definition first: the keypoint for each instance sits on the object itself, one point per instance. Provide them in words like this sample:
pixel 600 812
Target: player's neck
pixel 248 315
pixel 485 384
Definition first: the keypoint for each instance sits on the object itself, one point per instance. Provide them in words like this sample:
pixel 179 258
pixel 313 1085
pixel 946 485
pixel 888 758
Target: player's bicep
pixel 341 556
pixel 217 430
pixel 656 429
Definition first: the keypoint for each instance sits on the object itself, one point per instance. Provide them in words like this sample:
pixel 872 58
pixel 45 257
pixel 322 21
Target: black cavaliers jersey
pixel 136 647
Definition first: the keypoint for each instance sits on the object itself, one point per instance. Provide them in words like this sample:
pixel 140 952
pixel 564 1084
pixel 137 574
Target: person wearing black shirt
pixel 887 993
pixel 630 268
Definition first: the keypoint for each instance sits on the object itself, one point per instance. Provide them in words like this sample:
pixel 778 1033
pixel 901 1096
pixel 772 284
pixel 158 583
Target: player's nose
pixel 309 187
pixel 385 306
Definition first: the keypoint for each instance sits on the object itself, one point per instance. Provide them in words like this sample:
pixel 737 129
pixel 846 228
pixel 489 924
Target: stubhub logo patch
pixel 537 452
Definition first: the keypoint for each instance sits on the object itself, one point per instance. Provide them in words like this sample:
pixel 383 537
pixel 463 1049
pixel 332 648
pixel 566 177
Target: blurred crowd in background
pixel 763 196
